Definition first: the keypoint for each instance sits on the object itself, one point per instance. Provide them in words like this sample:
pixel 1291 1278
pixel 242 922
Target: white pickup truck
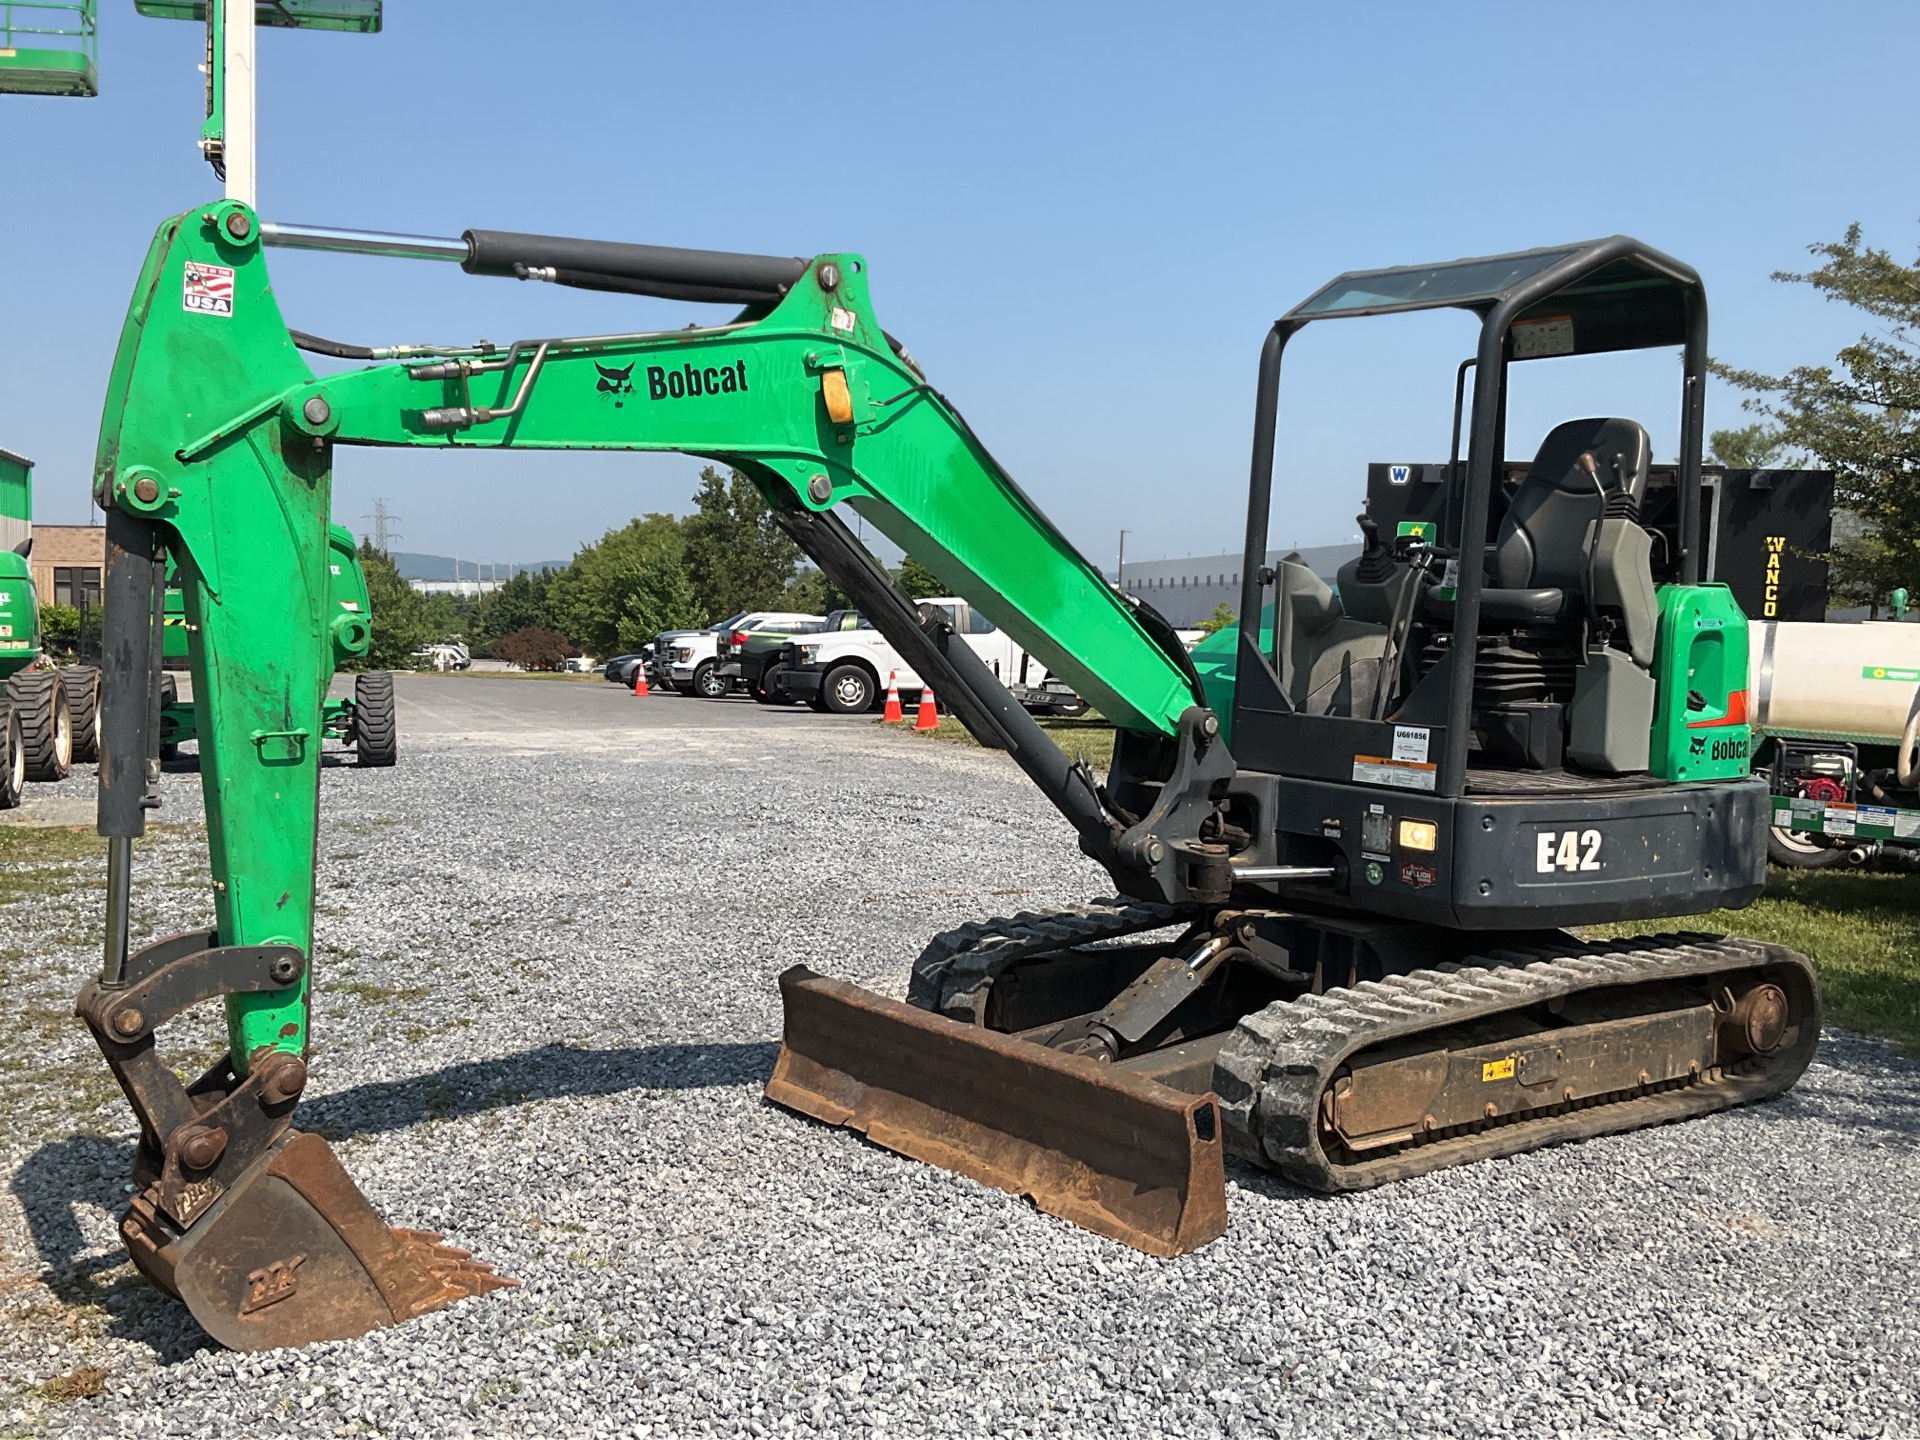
pixel 846 671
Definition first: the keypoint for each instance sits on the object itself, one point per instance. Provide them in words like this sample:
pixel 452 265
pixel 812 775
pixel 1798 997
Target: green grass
pixel 37 860
pixel 1090 735
pixel 1861 930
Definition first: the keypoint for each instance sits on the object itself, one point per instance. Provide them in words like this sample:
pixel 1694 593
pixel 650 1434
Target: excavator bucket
pixel 1113 1152
pixel 292 1253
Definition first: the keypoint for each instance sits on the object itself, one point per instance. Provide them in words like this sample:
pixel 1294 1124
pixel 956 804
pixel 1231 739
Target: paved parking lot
pixel 545 962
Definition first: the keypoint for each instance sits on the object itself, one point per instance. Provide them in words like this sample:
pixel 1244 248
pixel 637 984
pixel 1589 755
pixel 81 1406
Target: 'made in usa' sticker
pixel 207 289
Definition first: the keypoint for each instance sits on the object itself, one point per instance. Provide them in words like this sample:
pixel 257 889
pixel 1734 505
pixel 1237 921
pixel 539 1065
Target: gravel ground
pixel 546 1009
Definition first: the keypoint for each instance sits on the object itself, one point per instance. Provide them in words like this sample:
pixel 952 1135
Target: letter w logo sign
pixel 1399 474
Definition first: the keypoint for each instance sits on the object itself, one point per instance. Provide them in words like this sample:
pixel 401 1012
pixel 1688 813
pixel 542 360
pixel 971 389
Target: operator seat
pixel 1585 470
pixel 1571 572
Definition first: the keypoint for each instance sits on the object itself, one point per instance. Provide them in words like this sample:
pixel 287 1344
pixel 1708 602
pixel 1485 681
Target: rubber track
pixel 956 971
pixel 1271 1074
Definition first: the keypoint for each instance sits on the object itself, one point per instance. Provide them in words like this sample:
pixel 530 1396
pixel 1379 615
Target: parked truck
pixel 847 671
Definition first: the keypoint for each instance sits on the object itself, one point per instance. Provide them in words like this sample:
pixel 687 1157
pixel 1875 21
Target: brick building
pixel 66 562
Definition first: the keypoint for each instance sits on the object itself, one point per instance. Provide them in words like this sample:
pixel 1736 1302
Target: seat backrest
pixel 1543 539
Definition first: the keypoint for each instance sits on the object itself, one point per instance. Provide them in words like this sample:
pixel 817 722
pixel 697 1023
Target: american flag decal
pixel 207 289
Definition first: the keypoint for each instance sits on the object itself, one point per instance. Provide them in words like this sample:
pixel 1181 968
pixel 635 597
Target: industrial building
pixel 1187 591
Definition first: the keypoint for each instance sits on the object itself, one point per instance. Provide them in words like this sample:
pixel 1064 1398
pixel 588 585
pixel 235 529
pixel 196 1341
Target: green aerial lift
pixel 366 720
pixel 1346 856
pixel 46 715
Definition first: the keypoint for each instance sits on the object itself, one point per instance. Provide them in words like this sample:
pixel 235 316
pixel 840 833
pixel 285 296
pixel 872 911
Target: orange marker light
pixel 833 389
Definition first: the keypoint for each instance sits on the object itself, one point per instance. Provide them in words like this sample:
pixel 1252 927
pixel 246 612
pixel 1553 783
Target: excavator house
pixel 1345 856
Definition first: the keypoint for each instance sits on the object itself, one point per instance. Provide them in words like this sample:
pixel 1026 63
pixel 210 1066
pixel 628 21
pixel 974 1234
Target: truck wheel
pixel 1073 710
pixel 376 735
pixel 708 682
pixel 849 690
pixel 1800 851
pixel 46 723
pixel 13 758
pixel 169 695
pixel 767 695
pixel 82 684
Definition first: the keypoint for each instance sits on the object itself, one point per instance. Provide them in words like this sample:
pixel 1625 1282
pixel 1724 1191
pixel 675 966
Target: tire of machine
pixel 13 758
pixel 376 736
pixel 169 695
pixel 46 723
pixel 82 684
pixel 1801 852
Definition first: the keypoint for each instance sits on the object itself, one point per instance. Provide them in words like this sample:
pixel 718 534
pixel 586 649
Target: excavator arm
pixel 216 454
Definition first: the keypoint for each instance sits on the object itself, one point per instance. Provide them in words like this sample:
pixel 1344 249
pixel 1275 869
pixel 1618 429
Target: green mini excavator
pixel 1345 857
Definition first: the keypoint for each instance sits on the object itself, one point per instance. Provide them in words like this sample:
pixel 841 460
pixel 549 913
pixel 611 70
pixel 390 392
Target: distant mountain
pixel 440 567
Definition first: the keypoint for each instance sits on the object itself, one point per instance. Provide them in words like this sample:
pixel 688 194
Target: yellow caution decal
pixel 1496 1070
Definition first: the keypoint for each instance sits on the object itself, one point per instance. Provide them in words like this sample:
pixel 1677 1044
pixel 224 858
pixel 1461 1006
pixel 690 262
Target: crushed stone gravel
pixel 546 1006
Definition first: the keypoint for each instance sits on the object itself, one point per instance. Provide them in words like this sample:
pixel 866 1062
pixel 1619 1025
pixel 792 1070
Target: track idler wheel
pixel 292 1253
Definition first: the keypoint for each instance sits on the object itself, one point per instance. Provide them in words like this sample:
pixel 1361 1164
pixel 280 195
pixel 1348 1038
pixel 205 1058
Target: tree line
pixel 657 572
pixel 1858 417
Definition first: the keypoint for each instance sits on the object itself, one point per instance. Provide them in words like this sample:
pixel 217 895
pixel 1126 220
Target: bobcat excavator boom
pixel 1030 1054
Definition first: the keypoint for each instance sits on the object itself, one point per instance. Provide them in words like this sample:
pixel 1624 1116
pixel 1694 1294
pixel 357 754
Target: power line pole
pixel 384 525
pixel 1120 563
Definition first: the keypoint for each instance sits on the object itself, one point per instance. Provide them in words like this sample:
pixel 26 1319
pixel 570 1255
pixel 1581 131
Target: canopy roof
pixel 1615 294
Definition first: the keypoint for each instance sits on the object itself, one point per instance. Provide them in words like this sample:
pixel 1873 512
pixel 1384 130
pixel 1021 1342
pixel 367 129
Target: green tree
pixel 1748 447
pixel 736 557
pixel 402 621
pixel 517 605
pixel 624 585
pixel 813 594
pixel 918 581
pixel 1221 617
pixel 1860 417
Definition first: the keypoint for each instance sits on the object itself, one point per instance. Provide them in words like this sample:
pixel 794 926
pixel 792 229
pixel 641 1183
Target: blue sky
pixel 1080 217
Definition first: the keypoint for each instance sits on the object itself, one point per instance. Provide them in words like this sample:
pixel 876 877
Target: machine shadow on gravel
pixel 550 1072
pixel 63 1177
pixel 53 1186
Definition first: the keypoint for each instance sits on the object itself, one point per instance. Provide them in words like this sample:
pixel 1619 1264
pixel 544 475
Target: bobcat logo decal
pixel 615 383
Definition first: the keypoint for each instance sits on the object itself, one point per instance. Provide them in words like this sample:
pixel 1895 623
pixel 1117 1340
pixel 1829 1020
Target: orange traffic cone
pixel 893 711
pixel 640 679
pixel 928 718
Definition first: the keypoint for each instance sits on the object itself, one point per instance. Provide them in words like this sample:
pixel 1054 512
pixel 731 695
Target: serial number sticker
pixel 1401 774
pixel 1496 1070
pixel 207 289
pixel 843 320
pixel 1410 743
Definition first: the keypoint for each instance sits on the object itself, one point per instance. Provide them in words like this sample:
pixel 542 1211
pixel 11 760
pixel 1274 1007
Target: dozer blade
pixel 1119 1154
pixel 292 1253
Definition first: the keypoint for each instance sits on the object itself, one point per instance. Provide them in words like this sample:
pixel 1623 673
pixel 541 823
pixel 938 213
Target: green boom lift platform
pixel 365 720
pixel 47 715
